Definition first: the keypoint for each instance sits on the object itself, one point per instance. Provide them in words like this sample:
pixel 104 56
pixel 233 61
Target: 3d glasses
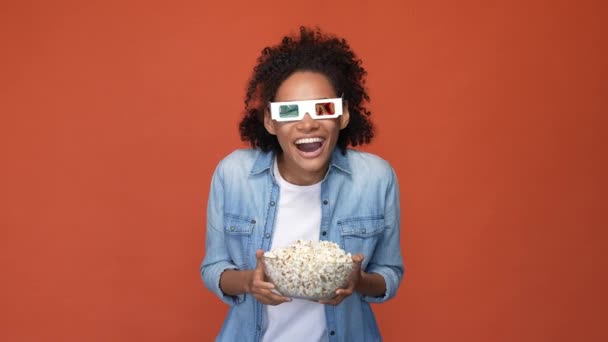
pixel 295 110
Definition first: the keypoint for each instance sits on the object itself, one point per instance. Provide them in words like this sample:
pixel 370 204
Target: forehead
pixel 305 85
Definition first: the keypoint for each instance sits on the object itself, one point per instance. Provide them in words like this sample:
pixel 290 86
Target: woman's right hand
pixel 260 288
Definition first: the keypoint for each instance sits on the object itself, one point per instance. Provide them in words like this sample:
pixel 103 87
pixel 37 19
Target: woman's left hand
pixel 355 277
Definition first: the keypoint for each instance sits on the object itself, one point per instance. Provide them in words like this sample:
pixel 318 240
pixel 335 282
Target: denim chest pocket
pixel 238 232
pixel 361 234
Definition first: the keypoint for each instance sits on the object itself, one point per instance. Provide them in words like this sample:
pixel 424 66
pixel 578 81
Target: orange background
pixel 115 113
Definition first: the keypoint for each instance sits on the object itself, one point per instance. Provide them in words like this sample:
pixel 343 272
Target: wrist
pixel 361 283
pixel 248 274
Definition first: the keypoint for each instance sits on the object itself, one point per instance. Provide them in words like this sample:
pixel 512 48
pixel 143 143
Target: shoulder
pixel 240 157
pixel 241 162
pixel 366 164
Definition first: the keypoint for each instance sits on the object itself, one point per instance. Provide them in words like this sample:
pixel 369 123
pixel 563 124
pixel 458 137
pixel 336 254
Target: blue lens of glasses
pixel 288 111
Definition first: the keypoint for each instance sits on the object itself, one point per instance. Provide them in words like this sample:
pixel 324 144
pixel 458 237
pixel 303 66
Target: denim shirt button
pixel 267 235
pixel 325 202
pixel 232 228
pixel 332 333
pixel 272 203
pixel 252 221
pixel 324 233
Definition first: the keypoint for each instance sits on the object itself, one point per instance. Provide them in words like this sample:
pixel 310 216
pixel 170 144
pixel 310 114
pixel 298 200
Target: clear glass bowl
pixel 314 281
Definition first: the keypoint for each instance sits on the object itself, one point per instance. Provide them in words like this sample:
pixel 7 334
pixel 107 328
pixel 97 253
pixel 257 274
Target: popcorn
pixel 307 269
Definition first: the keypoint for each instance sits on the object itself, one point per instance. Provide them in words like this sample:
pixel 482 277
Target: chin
pixel 315 165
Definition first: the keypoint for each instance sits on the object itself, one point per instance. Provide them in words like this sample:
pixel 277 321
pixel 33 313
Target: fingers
pixel 261 289
pixel 264 293
pixel 271 298
pixel 335 300
pixel 343 293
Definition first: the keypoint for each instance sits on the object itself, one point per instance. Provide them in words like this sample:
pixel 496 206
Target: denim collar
pixel 265 159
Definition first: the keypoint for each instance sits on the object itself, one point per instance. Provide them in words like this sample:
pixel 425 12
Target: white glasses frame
pixel 305 107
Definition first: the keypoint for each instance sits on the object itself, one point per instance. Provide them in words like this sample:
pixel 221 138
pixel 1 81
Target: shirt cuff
pixel 211 276
pixel 391 282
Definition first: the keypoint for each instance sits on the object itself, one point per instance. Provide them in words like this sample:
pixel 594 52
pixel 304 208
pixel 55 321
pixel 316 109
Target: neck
pixel 298 176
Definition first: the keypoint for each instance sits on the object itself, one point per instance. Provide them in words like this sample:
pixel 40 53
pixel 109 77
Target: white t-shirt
pixel 298 218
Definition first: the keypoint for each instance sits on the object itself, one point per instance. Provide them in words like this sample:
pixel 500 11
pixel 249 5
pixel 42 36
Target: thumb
pixel 358 258
pixel 258 255
pixel 259 272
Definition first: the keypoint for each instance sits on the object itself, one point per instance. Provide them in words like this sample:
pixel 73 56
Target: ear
pixel 345 117
pixel 269 123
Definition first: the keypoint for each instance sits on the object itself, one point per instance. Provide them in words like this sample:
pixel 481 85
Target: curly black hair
pixel 311 51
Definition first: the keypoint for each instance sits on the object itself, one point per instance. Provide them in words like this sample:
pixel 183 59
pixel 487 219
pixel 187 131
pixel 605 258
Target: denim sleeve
pixel 387 260
pixel 217 258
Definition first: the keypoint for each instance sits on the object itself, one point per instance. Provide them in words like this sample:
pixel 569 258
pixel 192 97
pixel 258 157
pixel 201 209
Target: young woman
pixel 305 104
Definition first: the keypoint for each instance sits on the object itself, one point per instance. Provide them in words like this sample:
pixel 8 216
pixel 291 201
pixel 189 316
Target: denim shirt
pixel 359 211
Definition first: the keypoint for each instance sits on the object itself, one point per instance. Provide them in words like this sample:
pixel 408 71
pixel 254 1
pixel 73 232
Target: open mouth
pixel 309 145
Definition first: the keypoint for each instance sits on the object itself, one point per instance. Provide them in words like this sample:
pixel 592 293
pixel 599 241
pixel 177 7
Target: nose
pixel 308 123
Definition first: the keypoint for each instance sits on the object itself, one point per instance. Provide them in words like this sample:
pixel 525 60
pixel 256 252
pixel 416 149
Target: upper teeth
pixel 308 140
